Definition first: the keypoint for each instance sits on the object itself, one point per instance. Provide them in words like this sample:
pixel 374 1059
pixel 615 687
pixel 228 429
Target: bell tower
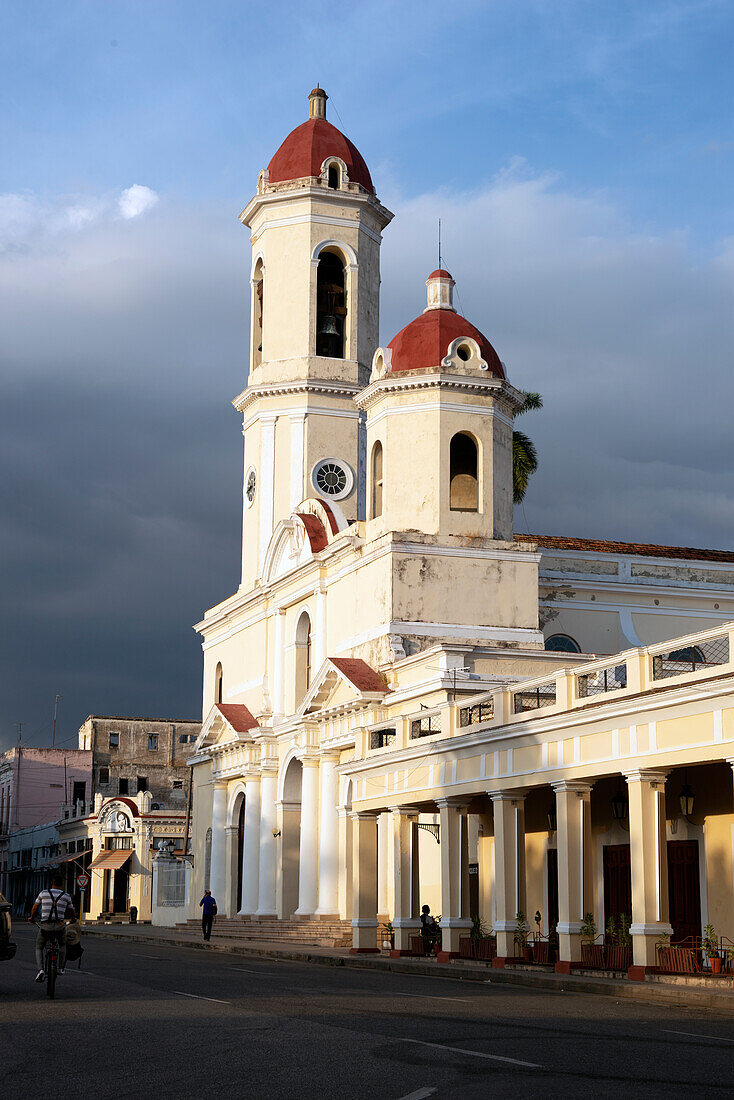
pixel 315 229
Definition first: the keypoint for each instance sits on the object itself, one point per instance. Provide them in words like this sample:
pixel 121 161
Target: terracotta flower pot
pixel 527 954
pixel 715 961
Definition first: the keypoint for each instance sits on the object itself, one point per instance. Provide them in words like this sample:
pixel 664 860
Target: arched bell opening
pixel 464 478
pixel 258 299
pixel 331 306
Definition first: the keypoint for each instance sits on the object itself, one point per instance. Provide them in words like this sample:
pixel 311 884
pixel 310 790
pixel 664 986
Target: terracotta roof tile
pixel 359 673
pixel 238 716
pixel 643 549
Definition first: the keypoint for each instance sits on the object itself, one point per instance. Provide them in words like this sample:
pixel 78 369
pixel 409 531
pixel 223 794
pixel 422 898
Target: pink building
pixel 34 784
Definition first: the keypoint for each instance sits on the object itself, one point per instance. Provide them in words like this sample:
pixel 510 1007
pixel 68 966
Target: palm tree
pixel 524 455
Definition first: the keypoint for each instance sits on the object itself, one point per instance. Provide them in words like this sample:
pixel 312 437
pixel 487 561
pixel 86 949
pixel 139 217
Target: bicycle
pixel 50 960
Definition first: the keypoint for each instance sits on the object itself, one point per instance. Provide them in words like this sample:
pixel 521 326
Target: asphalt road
pixel 140 1021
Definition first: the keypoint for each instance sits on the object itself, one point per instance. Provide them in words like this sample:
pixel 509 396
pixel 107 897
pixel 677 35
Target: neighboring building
pixel 29 853
pixel 115 841
pixel 34 784
pixel 398 668
pixel 140 754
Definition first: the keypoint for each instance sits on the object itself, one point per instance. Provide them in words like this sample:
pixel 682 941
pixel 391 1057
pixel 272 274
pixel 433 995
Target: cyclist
pixel 56 908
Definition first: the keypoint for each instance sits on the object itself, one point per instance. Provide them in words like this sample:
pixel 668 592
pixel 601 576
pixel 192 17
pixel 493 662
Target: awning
pixel 111 861
pixel 67 856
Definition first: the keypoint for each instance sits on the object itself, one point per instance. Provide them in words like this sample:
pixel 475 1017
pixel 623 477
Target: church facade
pixel 403 702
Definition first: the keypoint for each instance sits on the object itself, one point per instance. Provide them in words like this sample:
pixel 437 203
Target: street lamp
pixel 686 797
pixel 552 819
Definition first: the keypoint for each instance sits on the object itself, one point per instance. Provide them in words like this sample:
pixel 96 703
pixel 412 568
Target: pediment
pixel 225 724
pixel 341 682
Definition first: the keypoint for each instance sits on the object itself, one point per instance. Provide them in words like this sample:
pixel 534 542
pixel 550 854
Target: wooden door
pixel 617 882
pixel 684 889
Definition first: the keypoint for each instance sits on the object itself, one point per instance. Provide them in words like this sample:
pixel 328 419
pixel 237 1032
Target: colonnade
pixel 648 855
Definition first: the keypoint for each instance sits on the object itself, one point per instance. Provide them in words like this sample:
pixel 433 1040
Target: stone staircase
pixel 316 933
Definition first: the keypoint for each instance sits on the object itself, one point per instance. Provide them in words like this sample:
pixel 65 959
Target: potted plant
pixel 541 947
pixel 619 943
pixel 388 940
pixel 521 937
pixel 711 948
pixel 592 953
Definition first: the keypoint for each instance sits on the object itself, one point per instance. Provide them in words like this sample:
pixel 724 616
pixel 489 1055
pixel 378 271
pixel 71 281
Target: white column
pixel 268 845
pixel 383 841
pixel 218 877
pixel 649 867
pixel 364 884
pixel 509 868
pixel 405 915
pixel 298 428
pixel 308 860
pixel 455 920
pixel 329 839
pixel 573 814
pixel 278 676
pixel 266 476
pixel 320 639
pixel 251 846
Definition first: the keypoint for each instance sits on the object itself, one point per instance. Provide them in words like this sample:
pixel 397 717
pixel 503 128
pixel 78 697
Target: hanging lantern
pixel 620 806
pixel 686 800
pixel 552 819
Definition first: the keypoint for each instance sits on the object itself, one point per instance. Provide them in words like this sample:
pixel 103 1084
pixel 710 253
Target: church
pixel 407 703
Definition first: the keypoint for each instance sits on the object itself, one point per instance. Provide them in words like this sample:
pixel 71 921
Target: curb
pixel 672 997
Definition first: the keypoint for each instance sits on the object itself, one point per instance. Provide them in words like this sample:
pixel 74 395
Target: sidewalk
pixel 673 991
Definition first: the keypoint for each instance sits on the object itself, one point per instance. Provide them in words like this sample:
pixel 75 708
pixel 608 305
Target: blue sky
pixel 580 155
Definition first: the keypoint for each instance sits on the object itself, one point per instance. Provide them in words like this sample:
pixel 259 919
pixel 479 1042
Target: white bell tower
pixel 315 228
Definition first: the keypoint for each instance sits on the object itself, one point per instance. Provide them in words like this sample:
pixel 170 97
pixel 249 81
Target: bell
pixel 328 326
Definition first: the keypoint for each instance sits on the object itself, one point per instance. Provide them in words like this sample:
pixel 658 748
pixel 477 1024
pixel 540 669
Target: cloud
pixel 136 200
pixel 124 339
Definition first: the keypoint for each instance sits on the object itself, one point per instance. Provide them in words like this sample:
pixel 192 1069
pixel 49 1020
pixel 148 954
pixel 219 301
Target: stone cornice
pixel 408 382
pixel 284 389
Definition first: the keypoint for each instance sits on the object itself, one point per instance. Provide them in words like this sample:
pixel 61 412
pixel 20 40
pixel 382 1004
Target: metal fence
pixel 601 681
pixel 477 712
pixel 379 739
pixel 692 658
pixel 534 698
pixel 424 727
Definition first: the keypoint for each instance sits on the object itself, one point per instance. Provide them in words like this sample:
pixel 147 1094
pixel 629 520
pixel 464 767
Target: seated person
pixel 430 930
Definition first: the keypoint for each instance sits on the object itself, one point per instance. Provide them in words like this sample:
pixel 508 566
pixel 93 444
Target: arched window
pixel 562 643
pixel 464 483
pixel 376 480
pixel 258 291
pixel 334 176
pixel 331 306
pixel 218 684
pixel 303 656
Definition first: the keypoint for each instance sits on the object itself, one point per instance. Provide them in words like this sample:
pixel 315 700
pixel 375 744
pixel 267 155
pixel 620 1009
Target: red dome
pixel 424 342
pixel 308 146
pixel 440 273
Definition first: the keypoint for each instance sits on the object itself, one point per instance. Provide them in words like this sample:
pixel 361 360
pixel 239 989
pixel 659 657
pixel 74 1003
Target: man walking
pixel 208 913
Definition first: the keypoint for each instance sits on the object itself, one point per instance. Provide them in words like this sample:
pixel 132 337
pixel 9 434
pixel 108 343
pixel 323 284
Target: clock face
pixel 251 486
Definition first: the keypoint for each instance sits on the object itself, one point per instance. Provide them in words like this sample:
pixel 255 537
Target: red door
pixel 684 889
pixel 617 882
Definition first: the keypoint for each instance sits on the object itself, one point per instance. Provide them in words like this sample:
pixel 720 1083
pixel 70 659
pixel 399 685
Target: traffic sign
pixel 82 881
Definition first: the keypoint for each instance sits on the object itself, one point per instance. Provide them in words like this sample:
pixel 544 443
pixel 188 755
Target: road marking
pixel 695 1035
pixel 473 1053
pixel 432 997
pixel 241 970
pixel 197 997
pixel 419 1094
pixel 159 957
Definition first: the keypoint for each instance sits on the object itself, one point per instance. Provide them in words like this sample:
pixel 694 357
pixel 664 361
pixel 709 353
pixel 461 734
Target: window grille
pixel 171 884
pixel 379 739
pixel 478 712
pixel 424 727
pixel 694 658
pixel 598 683
pixel 534 698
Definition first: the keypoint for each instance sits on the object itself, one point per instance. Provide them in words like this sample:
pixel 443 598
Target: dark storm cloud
pixel 123 340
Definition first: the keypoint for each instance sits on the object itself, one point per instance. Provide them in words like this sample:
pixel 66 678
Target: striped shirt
pixel 64 905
